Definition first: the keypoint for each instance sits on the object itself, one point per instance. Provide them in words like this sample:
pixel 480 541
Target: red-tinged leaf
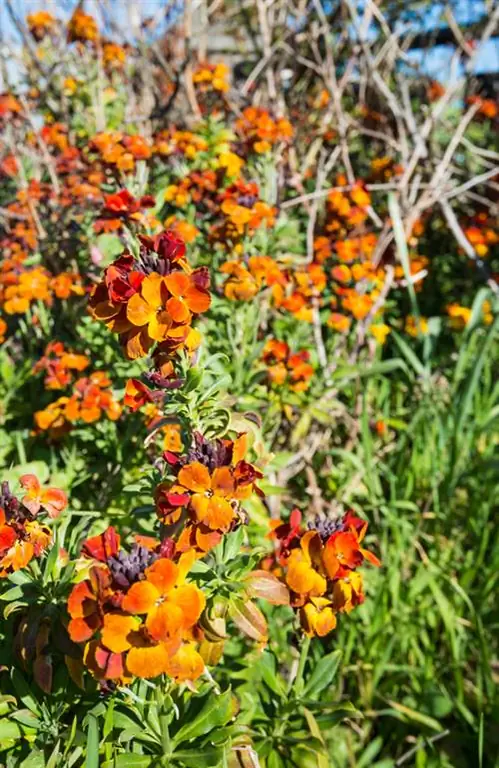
pixel 267 587
pixel 42 672
pixel 249 619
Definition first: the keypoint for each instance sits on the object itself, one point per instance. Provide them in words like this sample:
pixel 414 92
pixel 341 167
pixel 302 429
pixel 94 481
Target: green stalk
pixel 298 681
pixel 164 717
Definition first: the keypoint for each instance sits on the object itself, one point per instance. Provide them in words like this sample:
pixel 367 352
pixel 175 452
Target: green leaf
pixel 366 758
pixel 129 760
pixel 9 730
pixel 205 757
pixel 110 246
pixel 274 760
pixel 26 717
pixel 335 715
pixel 323 674
pixel 217 711
pixel 267 665
pixel 418 717
pixel 92 760
pixel 23 692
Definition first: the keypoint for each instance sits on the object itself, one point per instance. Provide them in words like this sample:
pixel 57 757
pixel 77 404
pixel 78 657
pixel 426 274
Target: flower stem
pixel 298 682
pixel 165 734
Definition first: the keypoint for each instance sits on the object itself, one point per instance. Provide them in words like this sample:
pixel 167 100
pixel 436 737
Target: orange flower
pixel 347 592
pixel 302 577
pixel 21 536
pixel 459 316
pixel 82 27
pixel 241 285
pixel 52 500
pixel 318 566
pixel 171 606
pixel 211 494
pixel 318 616
pixel 40 24
pixel 149 307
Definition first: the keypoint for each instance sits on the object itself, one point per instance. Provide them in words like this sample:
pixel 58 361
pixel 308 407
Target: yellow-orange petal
pixel 138 311
pixel 140 598
pixel 165 621
pixel 178 310
pixel 220 513
pixel 158 327
pixel 199 503
pixel 191 601
pixel 222 482
pixel 115 631
pixel 150 661
pixel 186 664
pixel 163 575
pixel 31 484
pixel 239 448
pixel 54 501
pixel 152 289
pixel 80 630
pixel 81 601
pixel 198 301
pixel 331 562
pixel 302 578
pixel 185 563
pixel 195 477
pixel 177 283
pixel 137 343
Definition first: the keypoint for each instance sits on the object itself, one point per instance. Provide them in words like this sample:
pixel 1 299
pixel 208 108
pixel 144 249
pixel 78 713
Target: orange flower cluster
pixel 385 168
pixel 199 187
pixel 246 280
pixel 482 234
pixel 121 208
pixel 172 142
pixel 243 213
pixel 82 27
pixel 136 613
pixel 460 316
pixel 211 77
pixel 40 24
pixel 284 366
pixel 58 364
pixel 346 210
pixel 20 289
pixel 487 108
pixel 259 131
pixel 304 286
pixel 152 300
pixel 119 150
pixel 22 536
pixel 319 566
pixel 203 497
pixel 91 398
pixel 113 55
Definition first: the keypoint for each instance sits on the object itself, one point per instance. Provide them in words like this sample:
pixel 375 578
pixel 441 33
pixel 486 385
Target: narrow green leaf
pixel 92 760
pixel 217 711
pixel 323 674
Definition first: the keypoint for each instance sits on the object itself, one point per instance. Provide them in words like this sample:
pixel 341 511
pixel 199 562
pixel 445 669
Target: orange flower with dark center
pixel 171 608
pixel 211 494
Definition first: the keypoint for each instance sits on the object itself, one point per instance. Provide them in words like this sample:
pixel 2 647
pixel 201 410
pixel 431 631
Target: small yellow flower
pixel 380 331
